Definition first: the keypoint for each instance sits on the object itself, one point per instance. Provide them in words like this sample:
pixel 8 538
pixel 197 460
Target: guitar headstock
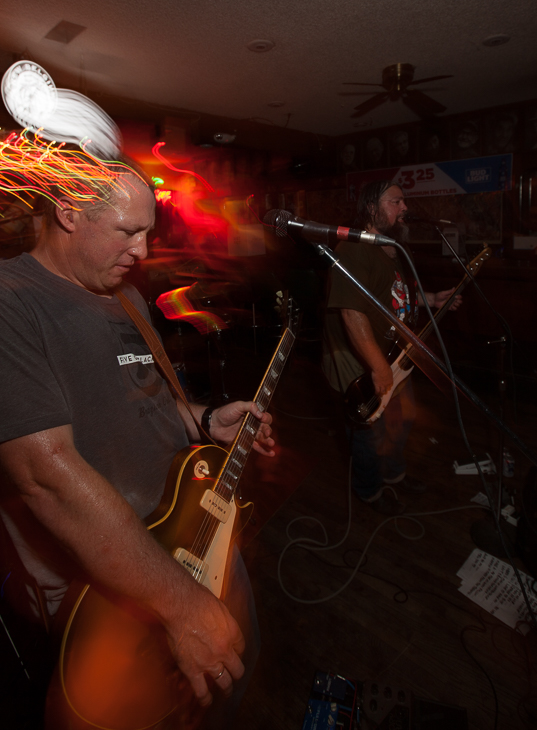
pixel 289 311
pixel 476 263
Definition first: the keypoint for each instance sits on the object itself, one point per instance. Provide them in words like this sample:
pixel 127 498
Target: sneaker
pixel 386 503
pixel 410 484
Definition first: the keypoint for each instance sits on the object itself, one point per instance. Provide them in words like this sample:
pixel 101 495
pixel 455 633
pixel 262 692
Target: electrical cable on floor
pixel 312 545
pixel 522 649
pixel 472 657
pixel 318 546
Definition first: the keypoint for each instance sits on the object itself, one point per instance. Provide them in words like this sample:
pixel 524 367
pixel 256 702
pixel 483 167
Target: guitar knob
pixel 201 470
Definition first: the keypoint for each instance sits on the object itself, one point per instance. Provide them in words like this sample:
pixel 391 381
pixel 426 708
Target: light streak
pixel 30 166
pixel 62 115
pixel 163 196
pixel 176 305
pixel 159 156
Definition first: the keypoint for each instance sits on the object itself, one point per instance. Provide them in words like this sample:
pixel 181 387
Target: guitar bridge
pixel 215 505
pixel 197 568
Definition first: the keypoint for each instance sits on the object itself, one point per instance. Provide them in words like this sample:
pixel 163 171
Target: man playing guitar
pixel 357 338
pixel 89 427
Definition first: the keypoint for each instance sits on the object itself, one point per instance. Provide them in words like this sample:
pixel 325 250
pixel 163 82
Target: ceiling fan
pixel 396 79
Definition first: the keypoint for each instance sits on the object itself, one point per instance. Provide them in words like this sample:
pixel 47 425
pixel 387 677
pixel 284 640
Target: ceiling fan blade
pixel 354 93
pixel 431 78
pixel 358 83
pixel 369 105
pixel 423 105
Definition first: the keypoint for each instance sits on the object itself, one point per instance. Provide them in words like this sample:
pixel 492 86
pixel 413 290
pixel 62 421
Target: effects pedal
pixel 385 707
pixel 337 702
pixel 333 703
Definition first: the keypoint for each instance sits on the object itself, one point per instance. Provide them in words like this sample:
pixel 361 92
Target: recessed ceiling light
pixel 276 104
pixel 496 40
pixel 261 46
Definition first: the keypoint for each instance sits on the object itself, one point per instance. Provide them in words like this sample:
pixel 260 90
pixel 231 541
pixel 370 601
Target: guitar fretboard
pixel 232 470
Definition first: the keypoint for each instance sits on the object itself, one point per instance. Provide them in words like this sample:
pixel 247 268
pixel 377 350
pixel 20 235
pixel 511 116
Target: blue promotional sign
pixel 457 177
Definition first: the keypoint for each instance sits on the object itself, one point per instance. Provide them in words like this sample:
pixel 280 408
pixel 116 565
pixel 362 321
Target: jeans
pixel 377 450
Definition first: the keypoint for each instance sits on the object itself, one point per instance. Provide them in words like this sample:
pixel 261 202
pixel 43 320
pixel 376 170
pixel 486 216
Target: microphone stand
pixel 483 531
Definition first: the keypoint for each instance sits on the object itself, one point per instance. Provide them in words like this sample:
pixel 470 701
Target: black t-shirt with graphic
pixel 384 277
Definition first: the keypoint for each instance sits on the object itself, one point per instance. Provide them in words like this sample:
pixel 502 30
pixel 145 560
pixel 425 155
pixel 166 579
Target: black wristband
pixel 206 419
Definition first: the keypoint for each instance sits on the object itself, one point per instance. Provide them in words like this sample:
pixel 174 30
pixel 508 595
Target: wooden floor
pixel 400 620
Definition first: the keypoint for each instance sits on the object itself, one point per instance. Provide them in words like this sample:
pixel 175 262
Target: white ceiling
pixel 192 54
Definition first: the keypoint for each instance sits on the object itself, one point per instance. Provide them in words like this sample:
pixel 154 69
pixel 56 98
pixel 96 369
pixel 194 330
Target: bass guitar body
pixel 115 669
pixel 364 406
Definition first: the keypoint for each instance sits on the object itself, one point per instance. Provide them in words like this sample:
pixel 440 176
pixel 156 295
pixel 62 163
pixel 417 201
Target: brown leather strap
pixel 159 354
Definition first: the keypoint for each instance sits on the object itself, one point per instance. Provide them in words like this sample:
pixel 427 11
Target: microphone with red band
pixel 284 223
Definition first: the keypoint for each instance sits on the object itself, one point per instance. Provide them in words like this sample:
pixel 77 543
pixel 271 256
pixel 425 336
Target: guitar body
pixel 364 406
pixel 115 668
pixel 179 519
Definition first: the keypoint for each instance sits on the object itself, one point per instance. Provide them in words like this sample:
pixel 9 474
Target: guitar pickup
pixel 197 568
pixel 217 506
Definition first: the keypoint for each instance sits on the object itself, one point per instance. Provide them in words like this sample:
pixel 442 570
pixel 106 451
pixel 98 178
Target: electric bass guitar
pixel 115 670
pixel 363 404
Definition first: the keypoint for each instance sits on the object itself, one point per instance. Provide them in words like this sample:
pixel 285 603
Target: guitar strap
pixel 155 345
pixel 411 284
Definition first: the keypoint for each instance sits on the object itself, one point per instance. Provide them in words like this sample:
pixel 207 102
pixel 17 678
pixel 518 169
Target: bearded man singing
pixel 358 338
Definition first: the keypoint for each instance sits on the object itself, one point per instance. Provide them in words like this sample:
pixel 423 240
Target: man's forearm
pixel 98 527
pixel 363 340
pixel 430 296
pixel 91 519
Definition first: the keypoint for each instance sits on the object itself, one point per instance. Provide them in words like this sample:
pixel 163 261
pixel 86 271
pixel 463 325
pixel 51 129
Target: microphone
pixel 284 223
pixel 411 218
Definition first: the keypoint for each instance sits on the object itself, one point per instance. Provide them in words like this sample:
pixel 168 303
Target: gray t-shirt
pixel 68 356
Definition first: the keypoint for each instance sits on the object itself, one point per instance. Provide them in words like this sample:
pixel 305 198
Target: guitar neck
pixel 233 467
pixel 472 269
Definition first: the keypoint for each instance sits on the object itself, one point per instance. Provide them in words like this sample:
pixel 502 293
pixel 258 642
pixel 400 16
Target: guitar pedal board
pixel 339 703
pixel 333 703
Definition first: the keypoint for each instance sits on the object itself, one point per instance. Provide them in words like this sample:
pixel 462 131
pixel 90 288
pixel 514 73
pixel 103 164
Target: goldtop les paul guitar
pixel 363 404
pixel 115 670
